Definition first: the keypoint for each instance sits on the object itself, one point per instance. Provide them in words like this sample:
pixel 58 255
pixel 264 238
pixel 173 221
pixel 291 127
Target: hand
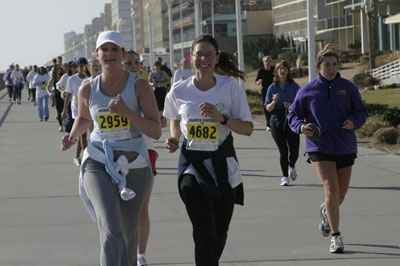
pixel 275 97
pixel 287 104
pixel 348 124
pixel 307 131
pixel 66 142
pixel 63 115
pixel 171 144
pixel 207 109
pixel 259 81
pixel 163 121
pixel 118 106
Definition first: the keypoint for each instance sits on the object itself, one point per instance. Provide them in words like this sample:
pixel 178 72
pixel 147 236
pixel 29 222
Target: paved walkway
pixel 44 223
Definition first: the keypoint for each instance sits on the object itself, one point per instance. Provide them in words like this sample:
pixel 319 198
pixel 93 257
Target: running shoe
pixel 77 161
pixel 60 129
pixel 268 129
pixel 285 181
pixel 336 244
pixel 292 173
pixel 324 225
pixel 141 260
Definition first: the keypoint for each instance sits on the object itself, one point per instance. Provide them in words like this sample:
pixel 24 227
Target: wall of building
pixel 259 22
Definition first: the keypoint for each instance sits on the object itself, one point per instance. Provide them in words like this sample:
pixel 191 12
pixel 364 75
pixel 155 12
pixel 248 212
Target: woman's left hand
pixel 208 109
pixel 287 104
pixel 118 106
pixel 348 124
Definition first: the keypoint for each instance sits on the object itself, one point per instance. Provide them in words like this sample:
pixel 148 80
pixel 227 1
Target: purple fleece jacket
pixel 328 105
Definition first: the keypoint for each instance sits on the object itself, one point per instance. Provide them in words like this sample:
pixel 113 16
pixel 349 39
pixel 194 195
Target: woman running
pixel 54 93
pixel 205 108
pixel 116 171
pixel 334 105
pixel 280 96
pixel 73 84
pixel 42 97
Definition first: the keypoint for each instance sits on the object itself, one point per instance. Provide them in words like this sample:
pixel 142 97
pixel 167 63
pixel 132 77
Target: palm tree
pixel 372 16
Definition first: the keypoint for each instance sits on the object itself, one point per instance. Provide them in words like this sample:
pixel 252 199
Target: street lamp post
pixel 148 8
pixel 180 13
pixel 212 18
pixel 239 38
pixel 133 29
pixel 171 40
pixel 311 40
pixel 196 19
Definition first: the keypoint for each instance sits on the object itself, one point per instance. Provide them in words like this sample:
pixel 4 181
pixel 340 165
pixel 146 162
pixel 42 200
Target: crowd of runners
pixel 113 108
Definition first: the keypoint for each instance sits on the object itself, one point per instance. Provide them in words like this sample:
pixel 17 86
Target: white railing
pixel 389 73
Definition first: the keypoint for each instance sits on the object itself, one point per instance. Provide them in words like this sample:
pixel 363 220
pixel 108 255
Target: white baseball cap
pixel 110 36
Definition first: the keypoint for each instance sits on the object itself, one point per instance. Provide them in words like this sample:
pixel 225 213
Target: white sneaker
pixel 292 173
pixel 60 129
pixel 268 129
pixel 141 260
pixel 336 244
pixel 77 162
pixel 324 224
pixel 285 181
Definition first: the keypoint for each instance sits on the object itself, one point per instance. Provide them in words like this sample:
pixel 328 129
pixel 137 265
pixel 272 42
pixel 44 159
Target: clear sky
pixel 32 31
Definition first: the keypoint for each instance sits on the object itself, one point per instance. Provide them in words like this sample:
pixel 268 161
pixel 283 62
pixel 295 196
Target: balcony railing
pixel 333 1
pixel 336 22
pixel 282 2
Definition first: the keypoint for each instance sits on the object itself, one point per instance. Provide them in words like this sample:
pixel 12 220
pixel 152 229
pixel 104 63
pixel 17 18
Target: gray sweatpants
pixel 117 219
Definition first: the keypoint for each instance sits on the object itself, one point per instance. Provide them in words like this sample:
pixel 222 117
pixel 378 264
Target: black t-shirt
pixel 267 76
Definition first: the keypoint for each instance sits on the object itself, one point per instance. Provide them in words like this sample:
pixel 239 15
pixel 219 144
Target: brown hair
pixel 287 66
pixel 227 64
pixel 329 50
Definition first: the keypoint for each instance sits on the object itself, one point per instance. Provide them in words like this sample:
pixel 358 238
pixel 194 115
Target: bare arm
pixel 172 143
pixel 149 123
pixel 236 125
pixel 271 106
pixel 83 121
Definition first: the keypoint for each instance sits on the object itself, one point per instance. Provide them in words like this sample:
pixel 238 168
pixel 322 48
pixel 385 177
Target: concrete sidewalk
pixel 44 223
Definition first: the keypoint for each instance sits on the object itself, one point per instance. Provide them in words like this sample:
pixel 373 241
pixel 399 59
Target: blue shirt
pixel 286 94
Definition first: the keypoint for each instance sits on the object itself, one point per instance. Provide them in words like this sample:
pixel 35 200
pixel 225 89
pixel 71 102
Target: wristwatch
pixel 226 118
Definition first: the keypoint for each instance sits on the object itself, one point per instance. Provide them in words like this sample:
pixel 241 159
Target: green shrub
pixel 295 72
pixel 364 59
pixel 255 102
pixel 383 112
pixel 387 135
pixel 371 125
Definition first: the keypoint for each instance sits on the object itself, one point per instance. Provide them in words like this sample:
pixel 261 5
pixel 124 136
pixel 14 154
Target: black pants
pixel 287 141
pixel 32 93
pixel 160 93
pixel 59 106
pixel 10 90
pixel 266 113
pixel 17 91
pixel 210 220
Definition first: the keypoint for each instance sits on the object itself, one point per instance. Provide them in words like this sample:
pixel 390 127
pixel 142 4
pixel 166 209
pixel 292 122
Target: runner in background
pixel 73 84
pixel 32 89
pixel 55 94
pixel 42 97
pixel 9 83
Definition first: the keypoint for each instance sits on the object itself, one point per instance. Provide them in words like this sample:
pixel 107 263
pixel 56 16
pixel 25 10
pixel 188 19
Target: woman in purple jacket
pixel 334 106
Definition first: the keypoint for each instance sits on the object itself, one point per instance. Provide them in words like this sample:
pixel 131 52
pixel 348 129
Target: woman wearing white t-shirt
pixel 184 72
pixel 42 97
pixel 17 77
pixel 205 108
pixel 73 84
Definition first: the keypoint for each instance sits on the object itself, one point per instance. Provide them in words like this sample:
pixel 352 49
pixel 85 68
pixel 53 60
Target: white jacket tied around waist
pixel 121 165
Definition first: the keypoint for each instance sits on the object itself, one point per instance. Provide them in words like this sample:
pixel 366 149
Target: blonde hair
pixel 329 50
